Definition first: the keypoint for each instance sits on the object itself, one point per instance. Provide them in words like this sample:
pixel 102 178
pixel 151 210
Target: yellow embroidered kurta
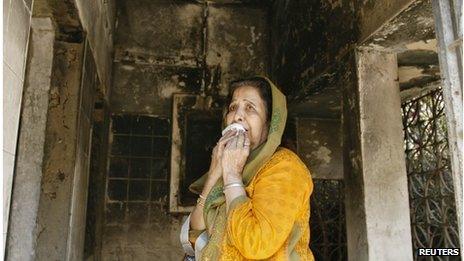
pixel 272 221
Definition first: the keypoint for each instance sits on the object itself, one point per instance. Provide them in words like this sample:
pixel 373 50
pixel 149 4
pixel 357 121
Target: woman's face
pixel 248 108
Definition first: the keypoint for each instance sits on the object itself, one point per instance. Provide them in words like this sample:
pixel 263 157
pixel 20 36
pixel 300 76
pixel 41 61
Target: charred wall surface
pixel 308 39
pixel 163 48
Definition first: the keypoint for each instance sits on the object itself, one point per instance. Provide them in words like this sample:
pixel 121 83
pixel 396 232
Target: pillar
pixel 377 205
pixel 28 173
pixel 60 153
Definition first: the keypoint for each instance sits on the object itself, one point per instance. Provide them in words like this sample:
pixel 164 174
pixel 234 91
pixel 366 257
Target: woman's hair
pixel 261 85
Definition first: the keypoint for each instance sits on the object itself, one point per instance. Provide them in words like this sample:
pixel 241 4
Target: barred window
pixel 327 221
pixel 431 192
pixel 137 181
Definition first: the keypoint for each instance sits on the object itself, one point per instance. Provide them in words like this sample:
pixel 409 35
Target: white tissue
pixel 233 126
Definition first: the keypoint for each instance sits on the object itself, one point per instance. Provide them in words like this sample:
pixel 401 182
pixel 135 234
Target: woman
pixel 254 201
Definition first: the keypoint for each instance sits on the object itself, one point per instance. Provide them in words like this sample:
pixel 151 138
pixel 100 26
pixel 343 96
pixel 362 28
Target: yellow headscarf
pixel 215 215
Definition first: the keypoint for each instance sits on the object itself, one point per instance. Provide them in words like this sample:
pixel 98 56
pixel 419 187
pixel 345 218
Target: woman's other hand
pixel 234 157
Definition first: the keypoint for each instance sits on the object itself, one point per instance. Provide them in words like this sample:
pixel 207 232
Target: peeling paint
pixel 322 154
pixel 319 142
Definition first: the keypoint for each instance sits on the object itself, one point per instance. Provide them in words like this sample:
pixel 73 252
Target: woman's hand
pixel 215 168
pixel 234 157
pixel 215 172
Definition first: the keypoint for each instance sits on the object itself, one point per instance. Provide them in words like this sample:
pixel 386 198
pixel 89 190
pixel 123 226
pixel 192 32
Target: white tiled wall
pixel 16 27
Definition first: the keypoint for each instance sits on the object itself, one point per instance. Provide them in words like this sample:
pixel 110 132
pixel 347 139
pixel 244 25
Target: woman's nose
pixel 238 116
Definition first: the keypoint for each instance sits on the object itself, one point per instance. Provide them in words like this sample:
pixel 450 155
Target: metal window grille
pixel 137 181
pixel 327 221
pixel 431 193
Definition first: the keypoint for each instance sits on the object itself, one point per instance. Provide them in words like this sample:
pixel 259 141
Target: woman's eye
pixel 249 107
pixel 232 108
